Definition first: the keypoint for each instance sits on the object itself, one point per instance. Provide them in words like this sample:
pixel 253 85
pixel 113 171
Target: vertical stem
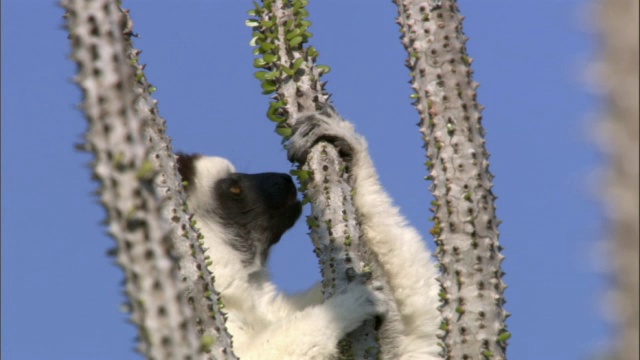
pixel 172 296
pixel 280 32
pixel 465 223
pixel 620 55
pixel 115 137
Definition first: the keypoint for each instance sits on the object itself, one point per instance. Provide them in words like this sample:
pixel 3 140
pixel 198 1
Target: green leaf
pixel 260 75
pixel 303 175
pixel 296 41
pixel 252 22
pixel 312 52
pixel 267 23
pixel 272 112
pixel 296 64
pixel 276 118
pixel 287 71
pixel 278 104
pixel 267 75
pixel 302 13
pixel 269 86
pixel 273 75
pixel 283 131
pixel 324 69
pixel 288 24
pixel 302 28
pixel 293 33
pixel 259 62
pixel 504 336
pixel 270 58
pixel 266 46
pixel 312 222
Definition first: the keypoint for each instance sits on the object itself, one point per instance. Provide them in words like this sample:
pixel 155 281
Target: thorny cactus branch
pixel 619 23
pixel 135 164
pixel 193 263
pixel 465 223
pixel 121 164
pixel 290 71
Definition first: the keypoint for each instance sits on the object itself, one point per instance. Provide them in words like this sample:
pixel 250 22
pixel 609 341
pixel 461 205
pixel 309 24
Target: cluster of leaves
pixel 282 56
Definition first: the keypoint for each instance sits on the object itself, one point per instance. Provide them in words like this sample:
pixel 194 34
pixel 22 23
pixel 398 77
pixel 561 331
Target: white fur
pixel 266 324
pixel 406 262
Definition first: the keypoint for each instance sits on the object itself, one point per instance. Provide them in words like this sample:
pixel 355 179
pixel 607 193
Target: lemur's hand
pixel 324 125
pixel 363 301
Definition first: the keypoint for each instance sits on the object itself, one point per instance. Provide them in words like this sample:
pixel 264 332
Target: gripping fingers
pixel 312 128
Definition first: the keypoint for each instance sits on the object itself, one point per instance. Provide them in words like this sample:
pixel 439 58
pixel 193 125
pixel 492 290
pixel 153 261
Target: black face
pixel 258 208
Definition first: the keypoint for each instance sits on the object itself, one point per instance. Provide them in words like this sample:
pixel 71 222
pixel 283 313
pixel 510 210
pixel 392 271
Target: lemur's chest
pixel 247 297
pixel 246 320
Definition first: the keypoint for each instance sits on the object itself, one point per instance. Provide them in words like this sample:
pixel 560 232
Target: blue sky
pixel 61 294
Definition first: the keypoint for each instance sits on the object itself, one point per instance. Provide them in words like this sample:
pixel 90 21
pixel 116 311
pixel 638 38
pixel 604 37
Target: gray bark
pixel 291 72
pixel 465 224
pixel 173 301
pixel 619 135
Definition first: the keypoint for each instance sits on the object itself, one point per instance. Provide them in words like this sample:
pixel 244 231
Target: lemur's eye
pixel 235 189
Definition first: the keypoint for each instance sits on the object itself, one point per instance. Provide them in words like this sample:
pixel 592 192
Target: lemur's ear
pixel 187 166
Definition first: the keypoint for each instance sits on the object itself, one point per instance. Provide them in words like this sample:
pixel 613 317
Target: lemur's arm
pixel 313 333
pixel 401 252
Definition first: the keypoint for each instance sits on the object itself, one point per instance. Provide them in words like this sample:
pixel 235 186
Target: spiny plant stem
pixel 465 224
pixel 290 72
pixel 171 292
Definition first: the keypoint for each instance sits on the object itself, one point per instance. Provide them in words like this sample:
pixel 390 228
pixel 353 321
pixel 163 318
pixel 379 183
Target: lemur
pixel 242 215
